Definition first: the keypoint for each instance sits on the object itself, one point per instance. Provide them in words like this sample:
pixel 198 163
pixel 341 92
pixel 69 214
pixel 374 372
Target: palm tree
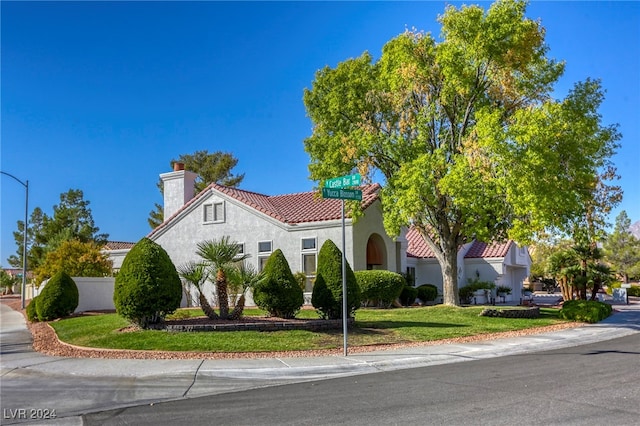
pixel 221 256
pixel 245 278
pixel 196 274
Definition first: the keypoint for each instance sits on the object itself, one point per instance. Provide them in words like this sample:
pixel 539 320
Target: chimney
pixel 179 188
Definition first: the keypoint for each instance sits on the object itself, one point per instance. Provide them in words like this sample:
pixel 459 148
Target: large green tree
pixel 214 167
pixel 622 248
pixel 464 131
pixel 72 220
pixel 76 258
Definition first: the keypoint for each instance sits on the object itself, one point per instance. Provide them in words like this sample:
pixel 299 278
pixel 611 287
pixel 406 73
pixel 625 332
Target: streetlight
pixel 24 241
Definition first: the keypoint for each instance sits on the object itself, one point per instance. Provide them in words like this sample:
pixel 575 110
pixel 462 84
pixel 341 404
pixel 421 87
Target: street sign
pixel 342 194
pixel 343 181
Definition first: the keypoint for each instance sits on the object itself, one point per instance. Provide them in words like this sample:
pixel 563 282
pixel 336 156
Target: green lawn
pixel 373 326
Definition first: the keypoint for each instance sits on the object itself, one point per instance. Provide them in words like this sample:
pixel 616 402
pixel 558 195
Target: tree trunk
pixel 449 265
pixel 236 314
pixel 206 307
pixel 223 295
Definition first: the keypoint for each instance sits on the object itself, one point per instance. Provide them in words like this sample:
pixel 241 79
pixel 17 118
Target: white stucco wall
pixel 249 227
pixel 94 293
pixel 371 223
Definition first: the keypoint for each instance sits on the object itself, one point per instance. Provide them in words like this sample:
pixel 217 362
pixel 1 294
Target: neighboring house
pixel 300 223
pixel 117 250
pixel 505 264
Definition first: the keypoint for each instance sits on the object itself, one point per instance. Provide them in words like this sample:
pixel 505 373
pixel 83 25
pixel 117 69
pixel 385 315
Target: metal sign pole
pixel 344 285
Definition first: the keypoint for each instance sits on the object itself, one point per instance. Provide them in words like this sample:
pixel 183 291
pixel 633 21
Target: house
pixel 300 223
pixel 117 251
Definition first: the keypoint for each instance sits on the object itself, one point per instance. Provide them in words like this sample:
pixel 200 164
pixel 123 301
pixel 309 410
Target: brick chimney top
pixel 178 166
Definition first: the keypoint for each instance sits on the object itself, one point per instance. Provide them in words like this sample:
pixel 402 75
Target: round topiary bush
pixel 408 295
pixel 58 299
pixel 379 288
pixel 148 287
pixel 427 292
pixel 278 292
pixel 327 289
pixel 590 311
pixel 31 310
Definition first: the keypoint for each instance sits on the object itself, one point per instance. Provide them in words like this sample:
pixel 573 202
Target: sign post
pixel 337 189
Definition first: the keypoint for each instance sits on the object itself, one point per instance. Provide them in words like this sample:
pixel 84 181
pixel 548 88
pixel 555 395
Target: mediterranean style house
pixel 300 223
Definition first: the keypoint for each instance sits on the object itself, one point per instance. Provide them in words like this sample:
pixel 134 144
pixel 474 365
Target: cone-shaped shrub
pixel 148 287
pixel 278 292
pixel 327 289
pixel 58 299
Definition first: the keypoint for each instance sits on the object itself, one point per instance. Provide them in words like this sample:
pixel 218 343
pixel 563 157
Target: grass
pixel 373 326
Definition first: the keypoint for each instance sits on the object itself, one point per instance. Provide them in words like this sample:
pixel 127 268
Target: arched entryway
pixel 376 253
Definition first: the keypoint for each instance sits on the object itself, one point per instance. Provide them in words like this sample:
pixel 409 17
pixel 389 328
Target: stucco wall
pixel 371 223
pixel 94 293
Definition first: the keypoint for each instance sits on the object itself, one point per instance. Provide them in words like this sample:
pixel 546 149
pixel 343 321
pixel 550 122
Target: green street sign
pixel 342 194
pixel 343 181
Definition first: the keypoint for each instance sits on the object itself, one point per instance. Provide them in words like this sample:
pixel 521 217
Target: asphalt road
pixel 593 384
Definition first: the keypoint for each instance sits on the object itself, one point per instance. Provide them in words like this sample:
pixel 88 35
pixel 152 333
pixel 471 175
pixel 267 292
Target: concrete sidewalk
pixel 118 383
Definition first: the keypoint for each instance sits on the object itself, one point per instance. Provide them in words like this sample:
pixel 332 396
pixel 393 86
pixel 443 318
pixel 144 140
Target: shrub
pixel 148 286
pixel 58 299
pixel 501 289
pixel 466 293
pixel 379 288
pixel 32 313
pixel 327 289
pixel 408 295
pixel 427 292
pixel 278 292
pixel 633 291
pixel 590 311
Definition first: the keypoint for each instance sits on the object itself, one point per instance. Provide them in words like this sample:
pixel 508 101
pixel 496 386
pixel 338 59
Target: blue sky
pixel 101 96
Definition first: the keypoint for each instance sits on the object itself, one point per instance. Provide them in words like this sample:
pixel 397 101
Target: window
pixel 309 269
pixel 309 250
pixel 264 247
pixel 213 213
pixel 264 251
pixel 308 244
pixel 411 276
pixel 240 248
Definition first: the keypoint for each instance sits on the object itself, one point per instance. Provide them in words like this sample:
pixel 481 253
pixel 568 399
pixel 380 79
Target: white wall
pixel 94 293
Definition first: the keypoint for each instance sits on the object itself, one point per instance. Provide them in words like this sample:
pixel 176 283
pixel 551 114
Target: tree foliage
pixel 212 167
pixel 77 259
pixel 72 220
pixel 622 249
pixel 465 132
pixel 7 281
pixel 148 287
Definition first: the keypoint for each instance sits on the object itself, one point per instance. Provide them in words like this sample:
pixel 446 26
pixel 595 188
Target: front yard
pixel 372 327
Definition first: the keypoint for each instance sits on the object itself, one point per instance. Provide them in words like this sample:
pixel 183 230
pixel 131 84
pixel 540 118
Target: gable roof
pixel 301 207
pixel 482 250
pixel 118 245
pixel 416 247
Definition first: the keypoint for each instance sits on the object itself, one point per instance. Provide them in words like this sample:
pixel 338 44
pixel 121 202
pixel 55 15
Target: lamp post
pixel 26 228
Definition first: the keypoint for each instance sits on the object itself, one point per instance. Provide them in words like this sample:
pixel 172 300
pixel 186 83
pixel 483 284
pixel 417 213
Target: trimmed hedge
pixel 408 295
pixel 148 287
pixel 590 311
pixel 427 292
pixel 633 291
pixel 278 292
pixel 58 299
pixel 327 289
pixel 379 288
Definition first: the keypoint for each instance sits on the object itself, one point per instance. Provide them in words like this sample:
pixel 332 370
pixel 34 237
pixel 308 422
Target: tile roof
pixel 118 245
pixel 495 249
pixel 295 208
pixel 418 248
